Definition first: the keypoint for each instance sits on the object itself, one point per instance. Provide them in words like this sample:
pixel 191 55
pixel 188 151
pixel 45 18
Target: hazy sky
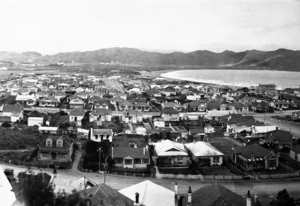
pixel 51 26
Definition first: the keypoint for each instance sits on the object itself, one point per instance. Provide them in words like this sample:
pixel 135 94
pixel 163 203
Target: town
pixel 129 123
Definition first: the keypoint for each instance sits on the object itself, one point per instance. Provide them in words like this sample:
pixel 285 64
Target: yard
pixel 215 170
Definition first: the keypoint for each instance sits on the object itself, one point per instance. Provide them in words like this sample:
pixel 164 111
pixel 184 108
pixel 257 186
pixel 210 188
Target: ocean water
pixel 242 78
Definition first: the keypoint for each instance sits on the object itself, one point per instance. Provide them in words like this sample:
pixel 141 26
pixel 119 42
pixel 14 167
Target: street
pixel 119 182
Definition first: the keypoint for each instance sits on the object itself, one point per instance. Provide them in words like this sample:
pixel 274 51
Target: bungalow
pixel 129 157
pixel 170 154
pixel 48 102
pixel 100 114
pixel 102 103
pixel 142 106
pixel 42 94
pixel 295 153
pixel 204 154
pixel 15 112
pixel 59 95
pixel 133 116
pixel 83 95
pixel 55 149
pixel 76 115
pixel 170 114
pixel 197 106
pixel 99 135
pixel 254 157
pixel 279 139
pixel 48 130
pixel 174 105
pixel 76 103
pixel 63 86
pixel 125 105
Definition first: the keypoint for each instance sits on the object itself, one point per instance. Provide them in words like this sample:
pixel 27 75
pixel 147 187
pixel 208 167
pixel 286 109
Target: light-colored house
pixel 76 103
pixel 76 115
pixel 35 121
pixel 203 153
pixel 15 112
pixel 295 153
pixel 170 114
pixel 133 116
pixel 100 114
pixel 48 102
pixel 150 194
pixel 99 135
pixel 130 157
pixel 170 154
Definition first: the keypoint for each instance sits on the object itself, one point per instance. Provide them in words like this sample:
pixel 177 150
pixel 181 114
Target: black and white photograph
pixel 150 102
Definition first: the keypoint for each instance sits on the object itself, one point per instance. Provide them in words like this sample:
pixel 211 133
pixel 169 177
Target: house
pixel 254 157
pixel 101 114
pixel 142 106
pixel 35 121
pixel 125 105
pixel 99 135
pixel 216 195
pixel 150 194
pixel 174 105
pixel 170 154
pixel 59 95
pixel 204 154
pixel 15 112
pixel 295 153
pixel 55 149
pixel 196 106
pixel 76 115
pixel 48 102
pixel 69 184
pixel 133 116
pixel 279 139
pixel 295 115
pixel 170 114
pixel 102 103
pixel 76 103
pixel 130 157
pixel 48 130
pixel 103 195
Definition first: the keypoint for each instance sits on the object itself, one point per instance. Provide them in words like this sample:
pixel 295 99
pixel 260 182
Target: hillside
pixel 280 59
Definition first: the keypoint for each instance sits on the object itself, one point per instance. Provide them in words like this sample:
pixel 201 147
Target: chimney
pixel 137 202
pixel 255 198
pixel 189 200
pixel 144 150
pixel 176 200
pixel 248 201
pixel 180 201
pixel 176 188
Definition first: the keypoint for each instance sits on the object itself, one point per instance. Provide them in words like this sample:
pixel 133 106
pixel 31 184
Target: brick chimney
pixel 189 198
pixel 248 200
pixel 137 201
pixel 176 188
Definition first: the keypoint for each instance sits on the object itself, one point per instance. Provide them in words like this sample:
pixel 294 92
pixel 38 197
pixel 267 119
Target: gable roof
pixel 150 194
pixel 101 111
pixel 169 148
pixel 203 149
pixel 12 108
pixel 215 195
pixel 105 195
pixel 169 110
pixel 279 136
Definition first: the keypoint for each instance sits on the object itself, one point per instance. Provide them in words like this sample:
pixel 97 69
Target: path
pixel 78 155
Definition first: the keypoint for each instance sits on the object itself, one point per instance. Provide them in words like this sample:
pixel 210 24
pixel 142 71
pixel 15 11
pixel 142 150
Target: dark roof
pixel 169 110
pixel 296 148
pixel 252 150
pixel 12 108
pixel 215 195
pixel 66 144
pixel 279 136
pixel 101 111
pixel 102 194
pixel 77 112
pixel 121 152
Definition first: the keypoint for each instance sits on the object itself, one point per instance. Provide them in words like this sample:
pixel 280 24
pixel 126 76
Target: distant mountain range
pixel 281 59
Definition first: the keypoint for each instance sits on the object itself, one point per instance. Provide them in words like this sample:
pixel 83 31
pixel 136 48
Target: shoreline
pixel 236 79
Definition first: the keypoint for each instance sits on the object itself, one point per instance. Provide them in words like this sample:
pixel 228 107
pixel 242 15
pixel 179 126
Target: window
pixel 59 143
pixel 128 161
pixel 45 154
pixel 272 163
pixel 180 159
pixel 137 161
pixel 216 160
pixel 118 160
pixel 49 143
pixel 145 161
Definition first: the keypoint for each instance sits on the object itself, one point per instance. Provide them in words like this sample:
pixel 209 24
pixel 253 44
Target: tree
pixel 283 199
pixel 34 190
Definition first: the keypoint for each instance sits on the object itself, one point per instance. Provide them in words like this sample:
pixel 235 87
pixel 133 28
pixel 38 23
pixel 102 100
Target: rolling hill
pixel 281 59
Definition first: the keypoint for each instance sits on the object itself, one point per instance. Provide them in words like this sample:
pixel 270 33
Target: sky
pixel 52 26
